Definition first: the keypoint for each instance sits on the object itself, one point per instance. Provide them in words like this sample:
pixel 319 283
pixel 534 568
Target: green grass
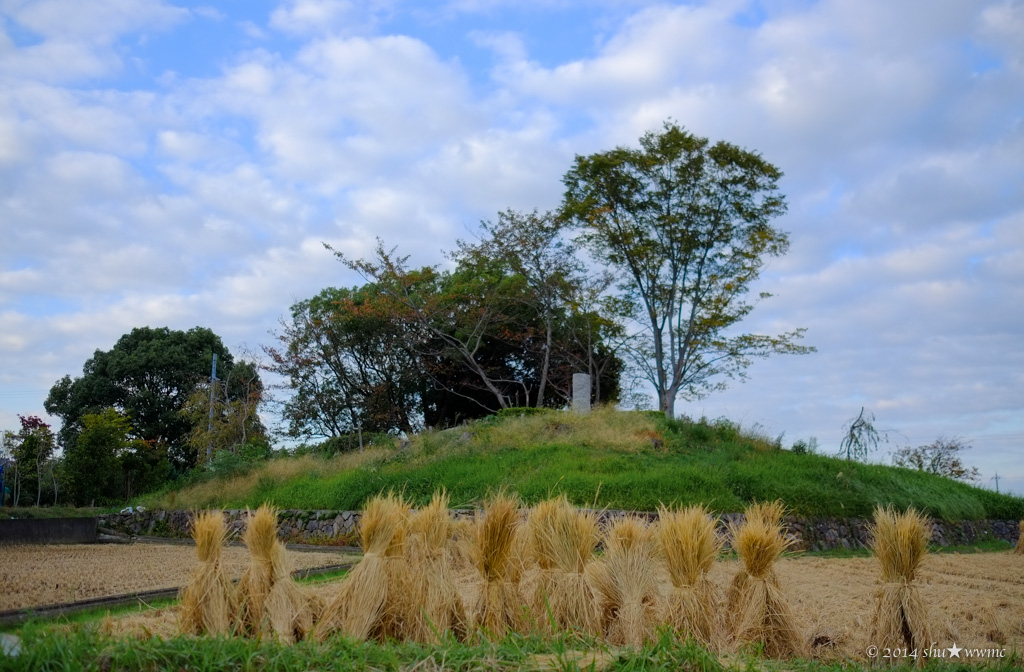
pixel 611 459
pixel 84 647
pixel 89 616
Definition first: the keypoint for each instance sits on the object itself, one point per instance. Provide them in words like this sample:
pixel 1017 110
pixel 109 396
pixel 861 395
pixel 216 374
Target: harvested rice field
pixel 974 600
pixel 39 575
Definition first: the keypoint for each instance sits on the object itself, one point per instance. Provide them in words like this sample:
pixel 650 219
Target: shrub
pixel 522 411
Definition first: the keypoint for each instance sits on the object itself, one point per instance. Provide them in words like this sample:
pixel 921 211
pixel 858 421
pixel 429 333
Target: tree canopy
pixel 148 375
pixel 30 451
pixel 108 464
pixel 414 347
pixel 686 226
pixel 678 231
pixel 351 364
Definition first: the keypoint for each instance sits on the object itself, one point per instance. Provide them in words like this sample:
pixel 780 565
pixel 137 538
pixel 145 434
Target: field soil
pixel 39 575
pixel 973 600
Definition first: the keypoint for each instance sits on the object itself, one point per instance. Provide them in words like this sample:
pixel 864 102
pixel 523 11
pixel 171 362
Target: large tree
pixel 553 308
pixel 350 363
pixel 498 330
pixel 457 312
pixel 147 375
pixel 687 226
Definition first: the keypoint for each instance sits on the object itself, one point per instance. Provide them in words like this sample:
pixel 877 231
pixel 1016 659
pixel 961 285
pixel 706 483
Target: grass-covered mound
pixel 621 460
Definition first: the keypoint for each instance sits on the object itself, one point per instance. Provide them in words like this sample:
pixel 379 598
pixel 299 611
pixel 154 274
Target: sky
pixel 180 164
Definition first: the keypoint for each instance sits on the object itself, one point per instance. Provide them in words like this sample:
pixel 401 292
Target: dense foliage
pixel 148 375
pixel 107 464
pixel 414 348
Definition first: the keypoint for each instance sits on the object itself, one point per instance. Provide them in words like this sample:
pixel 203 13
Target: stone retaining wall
pixel 48 531
pixel 340 527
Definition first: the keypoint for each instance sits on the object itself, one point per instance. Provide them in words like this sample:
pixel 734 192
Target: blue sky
pixel 180 164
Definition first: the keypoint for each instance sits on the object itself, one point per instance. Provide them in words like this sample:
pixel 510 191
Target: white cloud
pixel 99 20
pixel 76 39
pixel 210 12
pixel 190 147
pixel 205 201
pixel 314 17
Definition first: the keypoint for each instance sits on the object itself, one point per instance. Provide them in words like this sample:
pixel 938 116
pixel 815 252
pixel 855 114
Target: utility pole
pixel 996 479
pixel 209 424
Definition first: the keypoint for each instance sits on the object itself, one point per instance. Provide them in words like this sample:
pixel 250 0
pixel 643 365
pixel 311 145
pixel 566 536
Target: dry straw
pixel 257 580
pixel 759 612
pixel 900 542
pixel 367 603
pixel 290 610
pixel 625 580
pixel 498 608
pixel 431 600
pixel 1019 548
pixel 208 602
pixel 269 600
pixel 562 540
pixel 690 545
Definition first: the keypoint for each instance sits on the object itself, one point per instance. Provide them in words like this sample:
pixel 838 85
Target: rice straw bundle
pixel 260 537
pixel 463 532
pixel 367 602
pixel 269 600
pixel 562 539
pixel 760 613
pixel 690 545
pixel 900 542
pixel 625 580
pixel 208 602
pixel 290 610
pixel 760 515
pixel 432 603
pixel 498 609
pixel 1019 548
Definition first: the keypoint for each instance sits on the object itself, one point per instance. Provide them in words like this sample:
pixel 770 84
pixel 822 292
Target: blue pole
pixel 209 426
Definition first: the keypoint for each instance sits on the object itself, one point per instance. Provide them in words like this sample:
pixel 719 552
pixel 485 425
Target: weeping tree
pixel 227 416
pixel 860 437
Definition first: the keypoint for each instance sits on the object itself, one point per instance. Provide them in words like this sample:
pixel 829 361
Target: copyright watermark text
pixel 934 651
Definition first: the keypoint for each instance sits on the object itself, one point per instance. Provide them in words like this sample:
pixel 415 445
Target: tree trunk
pixel 667 403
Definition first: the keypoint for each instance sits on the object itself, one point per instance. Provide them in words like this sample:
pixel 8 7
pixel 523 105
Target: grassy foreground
pixel 86 647
pixel 622 460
